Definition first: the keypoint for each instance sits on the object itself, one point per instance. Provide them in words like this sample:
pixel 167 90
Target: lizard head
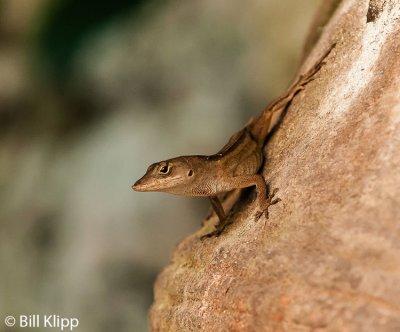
pixel 166 176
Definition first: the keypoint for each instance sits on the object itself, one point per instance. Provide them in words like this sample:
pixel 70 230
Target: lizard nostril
pixel 190 173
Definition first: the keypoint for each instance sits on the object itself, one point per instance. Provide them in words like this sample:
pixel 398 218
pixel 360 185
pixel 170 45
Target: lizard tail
pixel 266 121
pixel 272 114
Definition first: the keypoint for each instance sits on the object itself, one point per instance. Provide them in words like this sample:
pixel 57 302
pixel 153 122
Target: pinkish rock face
pixel 328 257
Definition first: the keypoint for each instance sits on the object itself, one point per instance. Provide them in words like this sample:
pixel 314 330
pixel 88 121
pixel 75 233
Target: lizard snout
pixel 138 185
pixel 146 183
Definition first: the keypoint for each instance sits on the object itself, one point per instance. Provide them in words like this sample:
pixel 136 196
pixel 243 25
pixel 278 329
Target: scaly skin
pixel 235 166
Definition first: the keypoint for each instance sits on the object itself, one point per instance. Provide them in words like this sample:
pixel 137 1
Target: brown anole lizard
pixel 235 166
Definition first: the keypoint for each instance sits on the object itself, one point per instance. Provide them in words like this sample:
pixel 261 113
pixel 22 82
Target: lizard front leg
pixel 264 198
pixel 218 208
pixel 223 220
pixel 227 200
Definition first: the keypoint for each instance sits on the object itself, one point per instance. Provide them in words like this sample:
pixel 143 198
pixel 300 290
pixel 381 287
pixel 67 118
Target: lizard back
pixel 242 154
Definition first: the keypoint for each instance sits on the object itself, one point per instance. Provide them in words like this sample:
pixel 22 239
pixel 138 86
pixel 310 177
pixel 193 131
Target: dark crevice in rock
pixel 375 8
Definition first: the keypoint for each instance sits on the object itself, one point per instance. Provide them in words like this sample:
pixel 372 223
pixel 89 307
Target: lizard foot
pixel 271 200
pixel 217 232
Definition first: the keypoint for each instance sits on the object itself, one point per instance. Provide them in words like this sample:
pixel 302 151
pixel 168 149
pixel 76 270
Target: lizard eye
pixel 164 169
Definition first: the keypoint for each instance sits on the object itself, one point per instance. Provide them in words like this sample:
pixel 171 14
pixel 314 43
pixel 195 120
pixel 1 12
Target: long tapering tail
pixel 261 126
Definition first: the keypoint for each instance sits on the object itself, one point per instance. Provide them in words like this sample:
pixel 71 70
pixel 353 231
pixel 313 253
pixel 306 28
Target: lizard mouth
pixel 148 184
pixel 145 184
pixel 140 186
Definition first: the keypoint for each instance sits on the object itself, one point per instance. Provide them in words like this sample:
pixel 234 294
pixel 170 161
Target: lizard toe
pixel 267 203
pixel 215 233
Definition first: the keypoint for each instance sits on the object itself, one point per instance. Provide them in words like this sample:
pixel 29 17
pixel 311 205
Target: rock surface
pixel 328 257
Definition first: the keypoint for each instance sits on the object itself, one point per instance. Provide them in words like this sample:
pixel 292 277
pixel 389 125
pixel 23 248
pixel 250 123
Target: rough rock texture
pixel 328 257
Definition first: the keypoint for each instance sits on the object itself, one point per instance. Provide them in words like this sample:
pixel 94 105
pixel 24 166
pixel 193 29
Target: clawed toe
pixel 219 228
pixel 215 233
pixel 259 214
pixel 270 201
pixel 276 200
pixel 273 193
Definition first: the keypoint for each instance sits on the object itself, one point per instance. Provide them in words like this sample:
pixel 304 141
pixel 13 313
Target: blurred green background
pixel 91 93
